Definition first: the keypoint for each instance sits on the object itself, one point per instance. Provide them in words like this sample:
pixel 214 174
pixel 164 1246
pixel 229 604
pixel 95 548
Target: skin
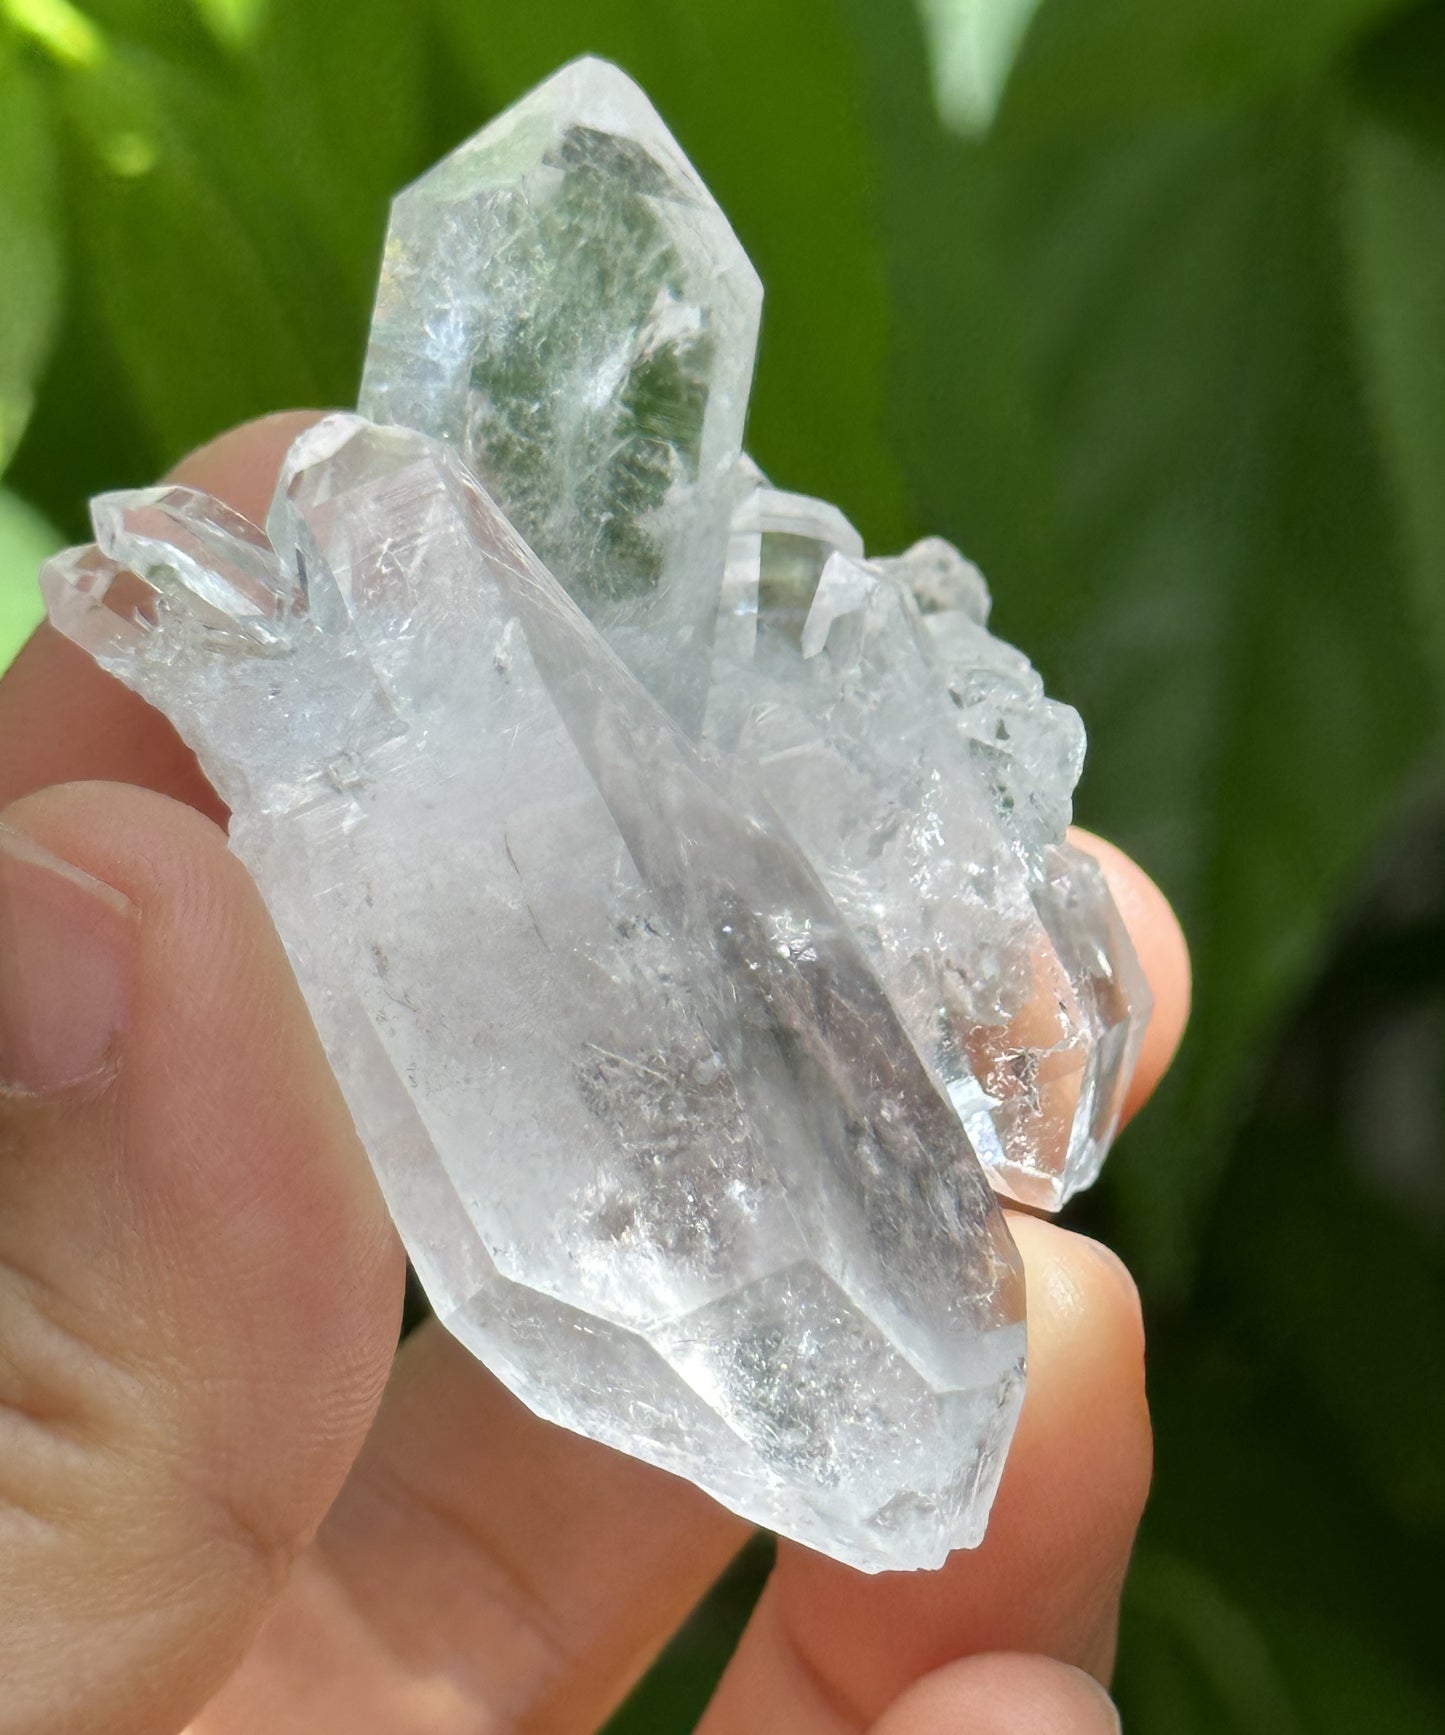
pixel 226 1507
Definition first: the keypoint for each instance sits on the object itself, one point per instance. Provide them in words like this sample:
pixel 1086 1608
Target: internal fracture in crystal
pixel 682 896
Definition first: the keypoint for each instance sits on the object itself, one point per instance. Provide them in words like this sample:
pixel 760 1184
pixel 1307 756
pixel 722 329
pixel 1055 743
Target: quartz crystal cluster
pixel 682 897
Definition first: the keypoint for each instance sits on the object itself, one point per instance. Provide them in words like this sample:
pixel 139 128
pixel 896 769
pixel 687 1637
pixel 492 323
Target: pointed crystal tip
pixel 563 302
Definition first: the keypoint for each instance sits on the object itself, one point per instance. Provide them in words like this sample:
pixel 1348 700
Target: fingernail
pixel 67 946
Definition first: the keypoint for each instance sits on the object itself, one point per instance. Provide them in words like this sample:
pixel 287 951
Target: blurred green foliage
pixel 1142 304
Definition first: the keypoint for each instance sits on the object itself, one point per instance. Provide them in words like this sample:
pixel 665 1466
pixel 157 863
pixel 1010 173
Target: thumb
pixel 199 1287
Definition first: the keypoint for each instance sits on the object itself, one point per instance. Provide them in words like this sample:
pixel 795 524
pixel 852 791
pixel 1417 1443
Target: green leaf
pixel 340 101
pixel 1126 383
pixel 85 436
pixel 768 102
pixel 25 541
pixel 229 215
pixel 1393 156
pixel 173 28
pixel 1299 1432
pixel 29 243
pixel 1094 64
pixel 213 293
pixel 1242 647
pixel 1197 1645
pixel 1345 1686
pixel 960 411
pixel 676 1690
pixel 1329 1296
pixel 1197 1660
pixel 232 22
pixel 61 31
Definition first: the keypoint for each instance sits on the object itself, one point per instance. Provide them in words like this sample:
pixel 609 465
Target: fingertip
pixel 1086 1345
pixel 241 465
pixel 1047 1576
pixel 1163 952
pixel 1082 1461
pixel 1003 1694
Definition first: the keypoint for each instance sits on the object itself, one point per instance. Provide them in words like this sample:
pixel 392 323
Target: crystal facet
pixel 563 301
pixel 682 896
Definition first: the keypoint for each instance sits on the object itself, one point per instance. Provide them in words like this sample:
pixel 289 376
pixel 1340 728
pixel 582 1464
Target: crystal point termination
pixel 562 300
pixel 682 896
pixel 923 771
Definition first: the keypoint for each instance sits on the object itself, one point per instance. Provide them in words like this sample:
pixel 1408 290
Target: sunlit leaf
pixel 200 281
pixel 174 28
pixel 233 22
pixel 342 107
pixel 229 215
pixel 25 540
pixel 60 29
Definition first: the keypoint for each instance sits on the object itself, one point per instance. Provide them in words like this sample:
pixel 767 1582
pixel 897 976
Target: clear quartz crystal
pixel 682 897
pixel 661 1150
pixel 917 761
pixel 563 301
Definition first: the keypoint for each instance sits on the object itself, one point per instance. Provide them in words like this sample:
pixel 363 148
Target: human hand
pixel 224 1507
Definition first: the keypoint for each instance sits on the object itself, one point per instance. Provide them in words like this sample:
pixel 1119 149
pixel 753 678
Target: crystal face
pixel 682 896
pixel 563 301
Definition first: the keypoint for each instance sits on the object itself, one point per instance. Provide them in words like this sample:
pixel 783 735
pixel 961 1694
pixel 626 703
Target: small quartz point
pixel 919 764
pixel 562 300
pixel 658 1143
